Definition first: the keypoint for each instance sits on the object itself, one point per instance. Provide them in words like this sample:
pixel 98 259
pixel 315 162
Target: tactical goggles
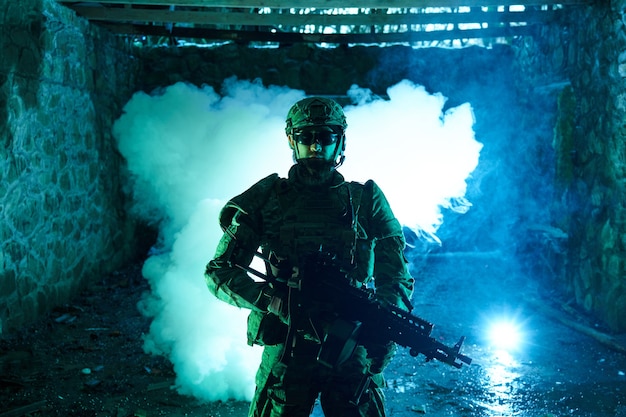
pixel 308 137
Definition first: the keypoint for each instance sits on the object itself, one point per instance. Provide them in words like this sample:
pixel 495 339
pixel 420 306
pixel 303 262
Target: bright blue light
pixel 505 334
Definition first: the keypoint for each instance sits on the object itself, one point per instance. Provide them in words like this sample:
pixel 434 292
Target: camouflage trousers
pixel 289 388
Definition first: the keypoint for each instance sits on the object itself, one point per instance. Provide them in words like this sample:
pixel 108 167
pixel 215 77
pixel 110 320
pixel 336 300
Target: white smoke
pixel 189 150
pixel 419 155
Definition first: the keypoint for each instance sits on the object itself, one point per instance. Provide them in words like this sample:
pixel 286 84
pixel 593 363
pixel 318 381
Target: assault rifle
pixel 355 316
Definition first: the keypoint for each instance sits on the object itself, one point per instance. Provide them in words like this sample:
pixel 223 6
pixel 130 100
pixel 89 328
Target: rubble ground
pixel 86 358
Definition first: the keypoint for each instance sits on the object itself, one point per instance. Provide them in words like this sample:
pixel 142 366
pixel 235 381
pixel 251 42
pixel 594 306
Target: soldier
pixel 288 219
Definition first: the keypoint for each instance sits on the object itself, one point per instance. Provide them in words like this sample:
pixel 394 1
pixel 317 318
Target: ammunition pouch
pixel 265 329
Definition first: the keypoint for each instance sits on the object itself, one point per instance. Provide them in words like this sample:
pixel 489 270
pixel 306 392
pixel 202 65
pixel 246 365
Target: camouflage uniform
pixel 288 218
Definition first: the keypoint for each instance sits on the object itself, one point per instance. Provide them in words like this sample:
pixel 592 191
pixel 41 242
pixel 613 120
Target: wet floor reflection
pixel 499 383
pixel 543 369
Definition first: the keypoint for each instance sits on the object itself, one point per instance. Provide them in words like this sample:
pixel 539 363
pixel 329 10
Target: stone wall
pixel 326 71
pixel 586 66
pixel 542 66
pixel 62 217
pixel 597 192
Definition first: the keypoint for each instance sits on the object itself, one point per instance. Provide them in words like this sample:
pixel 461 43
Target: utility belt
pixel 266 329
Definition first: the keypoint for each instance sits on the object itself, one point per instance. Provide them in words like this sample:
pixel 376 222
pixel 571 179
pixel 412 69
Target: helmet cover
pixel 315 111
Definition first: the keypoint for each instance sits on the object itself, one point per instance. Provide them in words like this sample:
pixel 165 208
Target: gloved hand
pixel 281 268
pixel 379 356
pixel 278 304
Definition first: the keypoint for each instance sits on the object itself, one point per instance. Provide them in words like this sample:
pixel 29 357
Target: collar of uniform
pixel 299 175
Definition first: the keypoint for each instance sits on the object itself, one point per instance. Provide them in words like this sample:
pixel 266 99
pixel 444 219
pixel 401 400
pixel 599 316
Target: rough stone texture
pixel 62 218
pixel 318 70
pixel 597 191
pixel 586 65
pixel 542 63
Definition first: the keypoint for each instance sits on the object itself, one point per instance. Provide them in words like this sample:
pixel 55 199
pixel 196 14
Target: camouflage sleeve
pixel 392 279
pixel 237 246
pixel 382 221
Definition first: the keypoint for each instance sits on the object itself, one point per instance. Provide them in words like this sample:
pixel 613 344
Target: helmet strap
pixel 339 157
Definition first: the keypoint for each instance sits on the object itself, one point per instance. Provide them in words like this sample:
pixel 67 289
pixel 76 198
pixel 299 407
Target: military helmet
pixel 315 111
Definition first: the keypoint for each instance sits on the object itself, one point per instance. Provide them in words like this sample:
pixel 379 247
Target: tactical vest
pixel 310 221
pixel 293 222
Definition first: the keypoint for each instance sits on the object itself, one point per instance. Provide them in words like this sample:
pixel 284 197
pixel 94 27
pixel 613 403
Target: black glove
pixel 379 356
pixel 278 303
pixel 281 269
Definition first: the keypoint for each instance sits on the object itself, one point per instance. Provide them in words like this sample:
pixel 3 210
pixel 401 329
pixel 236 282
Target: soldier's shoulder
pixel 369 188
pixel 264 184
pixel 258 192
pixel 249 201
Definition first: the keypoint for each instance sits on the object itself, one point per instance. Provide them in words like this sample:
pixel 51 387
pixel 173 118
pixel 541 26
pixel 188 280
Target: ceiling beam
pixel 118 14
pixel 293 37
pixel 335 4
pixel 225 19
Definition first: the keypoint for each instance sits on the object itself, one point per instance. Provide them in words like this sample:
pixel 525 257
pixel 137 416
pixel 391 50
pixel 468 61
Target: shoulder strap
pixel 356 192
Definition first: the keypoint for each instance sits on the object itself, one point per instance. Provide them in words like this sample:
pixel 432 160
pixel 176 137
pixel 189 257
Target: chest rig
pixel 314 219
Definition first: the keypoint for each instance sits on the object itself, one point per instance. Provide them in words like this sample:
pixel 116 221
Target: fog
pixel 189 150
